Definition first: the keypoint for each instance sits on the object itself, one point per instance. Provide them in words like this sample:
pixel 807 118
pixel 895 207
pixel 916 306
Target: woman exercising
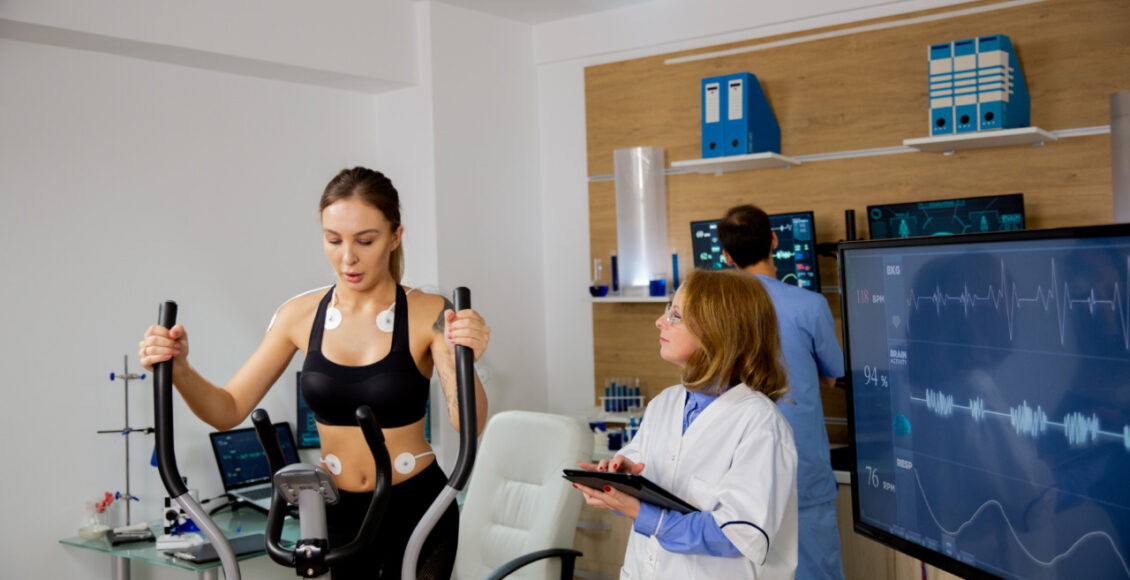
pixel 367 341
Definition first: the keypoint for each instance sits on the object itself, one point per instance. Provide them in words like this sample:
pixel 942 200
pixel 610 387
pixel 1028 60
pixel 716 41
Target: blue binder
pixel 965 85
pixel 1002 93
pixel 750 126
pixel 713 107
pixel 941 89
pixel 1021 112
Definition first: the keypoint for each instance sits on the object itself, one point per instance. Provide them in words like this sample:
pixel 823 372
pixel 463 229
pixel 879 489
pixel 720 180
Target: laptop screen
pixel 241 458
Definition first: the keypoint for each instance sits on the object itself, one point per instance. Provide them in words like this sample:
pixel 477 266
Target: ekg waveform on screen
pixel 1052 298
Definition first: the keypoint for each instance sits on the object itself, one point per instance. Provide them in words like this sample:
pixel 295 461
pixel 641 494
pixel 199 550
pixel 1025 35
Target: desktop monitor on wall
pixel 795 256
pixel 964 215
pixel 705 246
pixel 988 402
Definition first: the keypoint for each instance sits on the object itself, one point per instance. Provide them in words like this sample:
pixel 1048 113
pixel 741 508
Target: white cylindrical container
pixel 641 221
pixel 1120 154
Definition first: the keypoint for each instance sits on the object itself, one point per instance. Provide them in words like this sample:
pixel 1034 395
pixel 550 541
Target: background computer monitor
pixel 307 428
pixel 705 246
pixel 988 406
pixel 241 458
pixel 963 215
pixel 795 256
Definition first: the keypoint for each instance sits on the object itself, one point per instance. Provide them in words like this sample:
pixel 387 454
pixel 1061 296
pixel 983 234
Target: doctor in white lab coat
pixel 717 440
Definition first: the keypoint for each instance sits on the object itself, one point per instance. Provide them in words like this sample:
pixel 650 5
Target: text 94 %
pixel 874 377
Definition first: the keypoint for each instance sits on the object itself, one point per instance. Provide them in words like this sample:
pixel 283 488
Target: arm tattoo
pixel 437 326
pixel 449 395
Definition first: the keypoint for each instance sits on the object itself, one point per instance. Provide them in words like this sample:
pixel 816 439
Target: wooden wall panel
pixel 868 89
pixel 628 346
pixel 859 91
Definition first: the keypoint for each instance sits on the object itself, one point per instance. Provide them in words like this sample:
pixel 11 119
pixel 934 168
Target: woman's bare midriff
pixel 358 469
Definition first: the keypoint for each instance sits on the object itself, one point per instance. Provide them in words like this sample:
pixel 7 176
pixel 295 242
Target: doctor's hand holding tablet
pixel 710 479
pixel 606 496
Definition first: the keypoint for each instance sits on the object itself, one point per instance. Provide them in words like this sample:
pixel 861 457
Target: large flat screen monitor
pixel 964 215
pixel 795 256
pixel 989 399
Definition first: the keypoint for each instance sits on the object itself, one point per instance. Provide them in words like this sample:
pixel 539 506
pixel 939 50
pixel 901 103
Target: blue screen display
pixel 794 257
pixel 990 399
pixel 706 247
pixel 307 426
pixel 966 215
pixel 241 458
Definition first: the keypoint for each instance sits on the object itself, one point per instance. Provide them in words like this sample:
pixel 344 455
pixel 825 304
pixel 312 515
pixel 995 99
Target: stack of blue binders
pixel 736 117
pixel 976 85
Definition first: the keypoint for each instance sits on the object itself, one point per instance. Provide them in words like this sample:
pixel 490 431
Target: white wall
pixel 565 264
pixel 127 181
pixel 659 26
pixel 124 183
pixel 488 208
pixel 364 46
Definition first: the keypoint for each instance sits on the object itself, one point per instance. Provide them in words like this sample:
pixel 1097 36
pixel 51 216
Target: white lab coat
pixel 736 461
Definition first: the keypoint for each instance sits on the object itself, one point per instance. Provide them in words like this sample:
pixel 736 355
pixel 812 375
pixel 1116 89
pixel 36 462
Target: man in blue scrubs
pixel 808 339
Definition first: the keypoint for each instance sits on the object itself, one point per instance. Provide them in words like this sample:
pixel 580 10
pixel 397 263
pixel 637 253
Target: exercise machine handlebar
pixel 374 437
pixel 268 440
pixel 166 456
pixel 468 417
pixel 163 409
pixel 468 436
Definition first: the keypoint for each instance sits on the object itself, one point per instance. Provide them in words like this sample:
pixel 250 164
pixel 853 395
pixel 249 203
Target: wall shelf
pixel 720 165
pixel 947 144
pixel 944 144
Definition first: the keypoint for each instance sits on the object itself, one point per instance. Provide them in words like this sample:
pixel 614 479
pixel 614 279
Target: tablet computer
pixel 636 486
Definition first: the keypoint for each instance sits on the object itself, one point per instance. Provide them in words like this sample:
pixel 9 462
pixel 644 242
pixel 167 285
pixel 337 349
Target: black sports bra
pixel 392 387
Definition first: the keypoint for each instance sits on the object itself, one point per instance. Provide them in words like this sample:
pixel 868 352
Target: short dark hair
pixel 746 235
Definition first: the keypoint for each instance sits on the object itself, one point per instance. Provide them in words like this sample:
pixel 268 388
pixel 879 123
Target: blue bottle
pixel 615 275
pixel 674 270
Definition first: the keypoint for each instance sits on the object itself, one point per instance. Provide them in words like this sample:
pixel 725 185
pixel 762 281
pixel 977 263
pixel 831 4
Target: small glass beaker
pixel 599 288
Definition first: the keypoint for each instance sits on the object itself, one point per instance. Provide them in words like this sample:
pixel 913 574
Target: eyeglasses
pixel 673 317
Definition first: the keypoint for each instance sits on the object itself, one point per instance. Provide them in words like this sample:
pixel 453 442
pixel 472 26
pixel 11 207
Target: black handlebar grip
pixel 372 431
pixel 468 416
pixel 382 487
pixel 268 440
pixel 461 298
pixel 163 411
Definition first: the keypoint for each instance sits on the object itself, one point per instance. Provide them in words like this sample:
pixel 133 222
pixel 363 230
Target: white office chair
pixel 518 510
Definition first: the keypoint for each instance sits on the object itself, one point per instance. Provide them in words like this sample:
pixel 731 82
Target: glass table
pixel 234 524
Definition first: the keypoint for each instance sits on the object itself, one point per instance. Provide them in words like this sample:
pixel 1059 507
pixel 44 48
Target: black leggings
pixel 406 506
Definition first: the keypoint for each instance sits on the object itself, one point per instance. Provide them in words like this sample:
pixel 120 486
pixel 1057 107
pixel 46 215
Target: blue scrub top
pixel 808 339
